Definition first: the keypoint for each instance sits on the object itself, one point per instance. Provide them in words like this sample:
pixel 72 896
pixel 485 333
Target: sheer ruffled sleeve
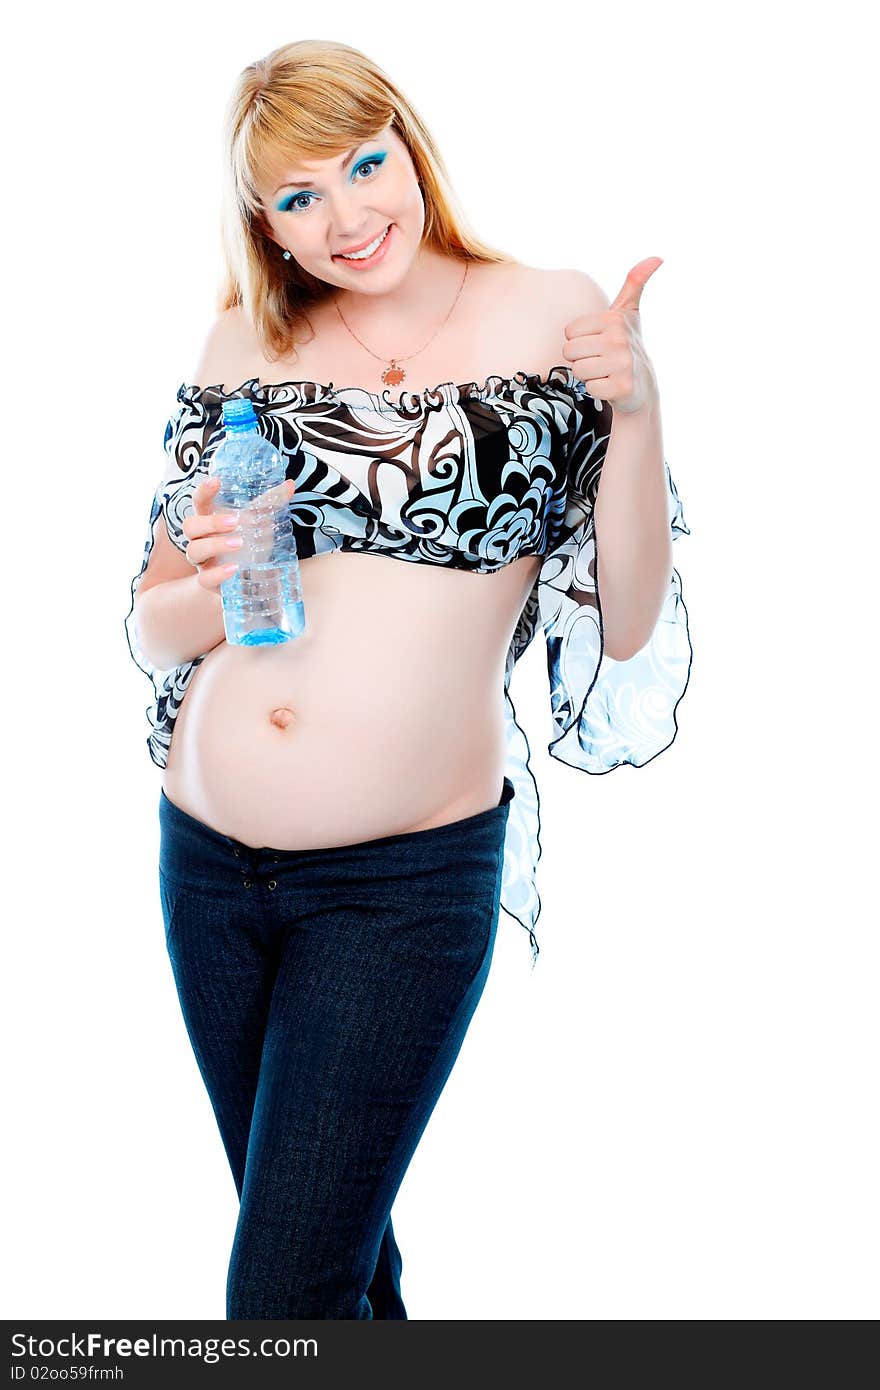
pixel 602 712
pixel 194 425
pixel 605 712
pixel 186 435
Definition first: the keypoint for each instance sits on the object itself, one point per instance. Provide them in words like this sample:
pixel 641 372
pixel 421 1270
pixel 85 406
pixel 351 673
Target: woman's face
pixel 317 210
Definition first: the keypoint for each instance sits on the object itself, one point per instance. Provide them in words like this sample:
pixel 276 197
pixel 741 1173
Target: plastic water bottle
pixel 262 599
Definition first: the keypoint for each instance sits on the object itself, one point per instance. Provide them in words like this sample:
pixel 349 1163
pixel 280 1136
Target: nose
pixel 349 219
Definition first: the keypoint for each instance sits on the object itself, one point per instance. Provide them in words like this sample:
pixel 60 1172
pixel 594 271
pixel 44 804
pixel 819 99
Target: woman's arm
pixel 178 621
pixel 176 618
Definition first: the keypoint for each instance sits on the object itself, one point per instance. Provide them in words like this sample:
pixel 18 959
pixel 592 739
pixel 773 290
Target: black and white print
pixel 470 477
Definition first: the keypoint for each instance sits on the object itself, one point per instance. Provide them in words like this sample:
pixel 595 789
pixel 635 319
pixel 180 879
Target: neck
pixel 418 302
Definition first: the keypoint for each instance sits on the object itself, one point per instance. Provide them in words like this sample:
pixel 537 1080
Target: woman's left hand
pixel 606 350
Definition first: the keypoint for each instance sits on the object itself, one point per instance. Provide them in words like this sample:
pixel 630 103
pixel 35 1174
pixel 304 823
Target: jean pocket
pixel 172 896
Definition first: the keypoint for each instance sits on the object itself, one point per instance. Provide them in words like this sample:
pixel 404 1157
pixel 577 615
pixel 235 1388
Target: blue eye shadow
pixel 378 158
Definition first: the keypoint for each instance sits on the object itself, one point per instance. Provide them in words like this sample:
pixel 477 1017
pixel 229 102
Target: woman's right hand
pixel 209 538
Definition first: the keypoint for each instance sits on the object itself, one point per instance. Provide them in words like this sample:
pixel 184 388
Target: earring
pixel 287 255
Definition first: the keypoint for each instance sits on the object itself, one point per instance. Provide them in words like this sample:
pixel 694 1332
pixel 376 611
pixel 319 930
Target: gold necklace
pixel 394 374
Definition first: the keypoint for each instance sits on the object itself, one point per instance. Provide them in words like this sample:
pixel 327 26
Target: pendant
pixel 393 375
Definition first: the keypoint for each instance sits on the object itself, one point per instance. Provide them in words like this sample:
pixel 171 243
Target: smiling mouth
pixel 368 251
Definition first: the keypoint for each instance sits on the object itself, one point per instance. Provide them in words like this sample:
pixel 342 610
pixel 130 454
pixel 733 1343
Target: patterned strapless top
pixel 469 477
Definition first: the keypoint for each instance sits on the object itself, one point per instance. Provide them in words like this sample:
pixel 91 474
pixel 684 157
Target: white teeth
pixel 368 250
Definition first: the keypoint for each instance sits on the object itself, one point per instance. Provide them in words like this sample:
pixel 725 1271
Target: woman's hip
pixel 458 860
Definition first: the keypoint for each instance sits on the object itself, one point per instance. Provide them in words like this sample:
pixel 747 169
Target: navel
pixel 281 717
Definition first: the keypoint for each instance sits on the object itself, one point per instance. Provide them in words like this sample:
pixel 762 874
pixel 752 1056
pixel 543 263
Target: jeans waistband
pixel 187 840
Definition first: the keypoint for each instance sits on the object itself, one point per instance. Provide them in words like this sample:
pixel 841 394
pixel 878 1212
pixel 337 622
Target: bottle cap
pixel 239 414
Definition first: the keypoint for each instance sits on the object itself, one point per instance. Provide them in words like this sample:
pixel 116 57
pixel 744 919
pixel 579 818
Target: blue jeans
pixel 326 994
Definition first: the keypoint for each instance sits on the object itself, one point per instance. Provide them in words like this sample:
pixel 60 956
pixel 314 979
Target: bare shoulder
pixel 541 282
pixel 224 350
pixel 540 303
pixel 566 294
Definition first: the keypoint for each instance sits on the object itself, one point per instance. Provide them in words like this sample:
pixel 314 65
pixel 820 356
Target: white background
pixel 674 1116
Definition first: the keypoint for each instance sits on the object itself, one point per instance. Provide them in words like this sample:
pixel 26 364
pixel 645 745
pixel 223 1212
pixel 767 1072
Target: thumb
pixel 635 282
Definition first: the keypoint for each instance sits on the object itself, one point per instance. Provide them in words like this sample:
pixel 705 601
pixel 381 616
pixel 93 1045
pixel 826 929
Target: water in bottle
pixel 262 599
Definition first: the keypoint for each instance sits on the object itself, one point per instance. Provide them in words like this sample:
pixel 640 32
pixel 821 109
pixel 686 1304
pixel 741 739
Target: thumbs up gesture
pixel 606 350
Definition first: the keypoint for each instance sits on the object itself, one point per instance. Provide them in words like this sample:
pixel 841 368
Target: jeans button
pixel 237 853
pixel 247 883
pixel 272 883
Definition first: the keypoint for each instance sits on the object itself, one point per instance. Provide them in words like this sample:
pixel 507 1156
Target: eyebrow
pixel 345 162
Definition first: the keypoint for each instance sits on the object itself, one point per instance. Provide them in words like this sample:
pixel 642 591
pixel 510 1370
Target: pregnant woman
pixel 343 815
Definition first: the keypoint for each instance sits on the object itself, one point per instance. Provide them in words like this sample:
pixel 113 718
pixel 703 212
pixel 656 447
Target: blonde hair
pixel 314 100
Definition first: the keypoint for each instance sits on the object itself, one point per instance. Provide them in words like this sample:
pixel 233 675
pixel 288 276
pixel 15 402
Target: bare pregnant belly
pixel 385 716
